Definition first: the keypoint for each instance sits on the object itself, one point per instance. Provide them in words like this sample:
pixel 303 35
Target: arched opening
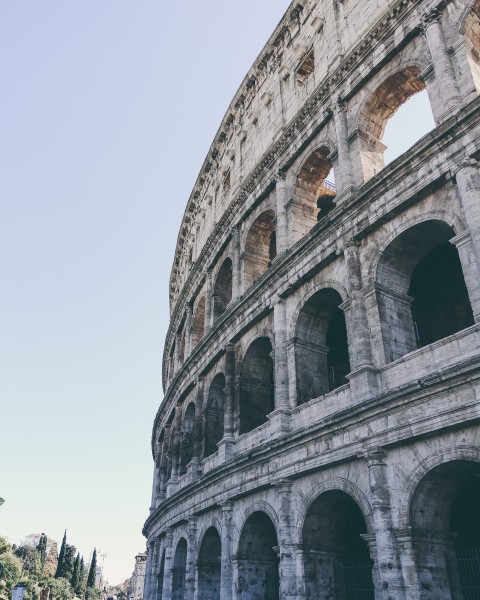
pixel 160 577
pixel 181 345
pixel 187 437
pixel 260 247
pixel 198 325
pixel 422 296
pixel 222 293
pixel 210 566
pixel 321 347
pixel 214 414
pixel 445 519
pixel 383 103
pixel 179 570
pixel 472 42
pixel 336 558
pixel 258 559
pixel 315 192
pixel 257 396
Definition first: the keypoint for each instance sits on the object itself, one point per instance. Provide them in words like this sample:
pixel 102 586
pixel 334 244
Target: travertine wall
pixel 319 432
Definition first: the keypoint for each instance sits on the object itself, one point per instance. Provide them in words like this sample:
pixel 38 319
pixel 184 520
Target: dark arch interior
pixel 257 396
pixel 214 414
pixel 222 293
pixel 198 325
pixel 321 346
pixel 179 571
pixel 258 560
pixel 336 558
pixel 313 186
pixel 160 577
pixel 422 265
pixel 441 305
pixel 260 247
pixel 209 566
pixel 187 437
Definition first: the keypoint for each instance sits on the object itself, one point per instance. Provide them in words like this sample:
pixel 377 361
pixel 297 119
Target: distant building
pixel 137 580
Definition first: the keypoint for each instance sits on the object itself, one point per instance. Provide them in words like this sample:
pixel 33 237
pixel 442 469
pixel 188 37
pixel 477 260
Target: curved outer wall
pixel 319 430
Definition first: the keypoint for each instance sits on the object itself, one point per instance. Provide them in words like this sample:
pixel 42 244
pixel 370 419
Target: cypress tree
pixel 42 551
pixel 81 575
pixel 61 557
pixel 93 570
pixel 76 572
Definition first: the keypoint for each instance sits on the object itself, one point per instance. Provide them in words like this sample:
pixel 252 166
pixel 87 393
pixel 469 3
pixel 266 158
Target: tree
pixel 93 570
pixel 76 572
pixel 68 562
pixel 61 557
pixel 42 551
pixel 81 576
pixel 12 569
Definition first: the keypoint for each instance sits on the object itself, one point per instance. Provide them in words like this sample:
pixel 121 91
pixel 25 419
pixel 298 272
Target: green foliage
pixel 4 545
pixel 60 588
pixel 92 571
pixel 30 560
pixel 61 558
pixel 91 593
pixel 68 562
pixel 42 551
pixel 12 569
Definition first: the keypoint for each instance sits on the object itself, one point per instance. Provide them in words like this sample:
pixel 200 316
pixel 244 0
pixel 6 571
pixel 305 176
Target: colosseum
pixel 319 434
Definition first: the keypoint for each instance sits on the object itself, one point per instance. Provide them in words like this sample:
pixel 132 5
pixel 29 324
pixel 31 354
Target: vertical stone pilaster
pixel 408 564
pixel 226 583
pixel 188 330
pixel 282 400
pixel 191 559
pixel 176 450
pixel 155 487
pixel 344 173
pixel 364 378
pixel 176 358
pixel 226 447
pixel 236 264
pixel 445 82
pixel 196 465
pixel 208 301
pixel 168 572
pixel 149 572
pixel 288 584
pixel 282 198
pixel 387 560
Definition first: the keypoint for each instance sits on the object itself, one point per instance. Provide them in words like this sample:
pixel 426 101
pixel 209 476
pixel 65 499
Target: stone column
pixel 196 463
pixel 148 593
pixel 188 330
pixel 168 571
pixel 344 173
pixel 445 81
pixel 388 562
pixel 208 301
pixel 236 264
pixel 155 487
pixel 282 400
pixel 176 358
pixel 288 584
pixel 468 186
pixel 364 378
pixel 282 198
pixel 226 584
pixel 407 559
pixel 191 559
pixel 226 447
pixel 176 450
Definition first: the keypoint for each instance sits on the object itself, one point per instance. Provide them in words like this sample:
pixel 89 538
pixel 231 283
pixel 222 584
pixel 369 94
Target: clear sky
pixel 108 108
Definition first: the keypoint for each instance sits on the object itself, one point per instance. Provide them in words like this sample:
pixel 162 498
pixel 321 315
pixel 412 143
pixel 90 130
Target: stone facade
pixel 319 434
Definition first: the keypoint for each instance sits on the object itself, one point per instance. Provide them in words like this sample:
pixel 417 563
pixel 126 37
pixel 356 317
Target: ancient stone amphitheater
pixel 319 434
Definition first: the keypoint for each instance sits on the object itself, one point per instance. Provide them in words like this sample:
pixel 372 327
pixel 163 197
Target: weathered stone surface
pixel 320 428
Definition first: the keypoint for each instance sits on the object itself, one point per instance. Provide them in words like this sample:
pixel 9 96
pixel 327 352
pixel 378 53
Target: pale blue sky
pixel 108 108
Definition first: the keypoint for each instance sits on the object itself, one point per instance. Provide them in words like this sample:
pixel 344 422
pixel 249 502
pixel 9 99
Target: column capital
pixel 430 17
pixel 468 161
pixel 374 456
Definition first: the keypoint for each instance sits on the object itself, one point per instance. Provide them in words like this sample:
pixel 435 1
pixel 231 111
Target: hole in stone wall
pixel 214 414
pixel 179 571
pixel 260 247
pixel 222 293
pixel 187 438
pixel 198 325
pixel 257 397
pixel 209 566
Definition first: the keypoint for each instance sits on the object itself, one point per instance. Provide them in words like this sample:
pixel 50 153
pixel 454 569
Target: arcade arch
pixel 222 293
pixel 214 414
pixel 315 189
pixel 209 565
pixel 260 247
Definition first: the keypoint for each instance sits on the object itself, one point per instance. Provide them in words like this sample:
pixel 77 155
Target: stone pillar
pixel 188 330
pixel 364 378
pixel 344 173
pixel 176 450
pixel 468 186
pixel 287 567
pixel 148 593
pixel 191 559
pixel 208 301
pixel 388 563
pixel 168 571
pixel 299 571
pixel 236 264
pixel 196 463
pixel 226 584
pixel 407 559
pixel 282 400
pixel 176 358
pixel 226 447
pixel 282 198
pixel 445 81
pixel 155 487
